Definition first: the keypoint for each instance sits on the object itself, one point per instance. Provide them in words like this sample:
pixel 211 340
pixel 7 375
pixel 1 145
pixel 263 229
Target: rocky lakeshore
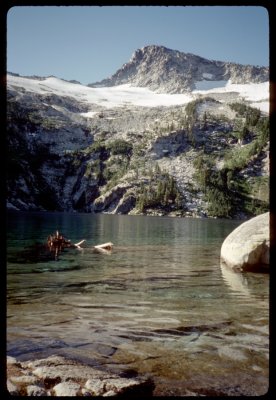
pixel 58 376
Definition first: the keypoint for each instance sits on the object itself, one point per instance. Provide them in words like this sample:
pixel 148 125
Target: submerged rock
pixel 58 376
pixel 67 389
pixel 247 247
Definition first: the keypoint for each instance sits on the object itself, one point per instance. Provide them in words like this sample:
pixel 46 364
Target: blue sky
pixel 90 43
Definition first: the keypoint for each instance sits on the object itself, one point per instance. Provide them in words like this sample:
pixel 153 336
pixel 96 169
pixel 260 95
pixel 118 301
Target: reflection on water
pixel 237 281
pixel 159 303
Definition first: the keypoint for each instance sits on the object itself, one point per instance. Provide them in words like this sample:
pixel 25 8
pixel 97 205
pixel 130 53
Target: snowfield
pixel 209 85
pixel 126 95
pixel 257 93
pixel 207 76
pixel 109 97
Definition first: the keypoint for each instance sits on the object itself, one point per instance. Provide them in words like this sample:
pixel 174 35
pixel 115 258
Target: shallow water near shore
pixel 159 304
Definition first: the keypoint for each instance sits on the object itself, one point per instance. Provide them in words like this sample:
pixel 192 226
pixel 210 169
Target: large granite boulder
pixel 247 247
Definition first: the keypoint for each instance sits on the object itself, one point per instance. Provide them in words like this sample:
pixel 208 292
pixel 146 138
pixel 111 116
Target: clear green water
pixel 159 304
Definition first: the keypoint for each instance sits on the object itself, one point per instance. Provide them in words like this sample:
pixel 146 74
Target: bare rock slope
pixel 170 71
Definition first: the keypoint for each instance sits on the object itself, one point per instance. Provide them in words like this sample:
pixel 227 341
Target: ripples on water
pixel 159 304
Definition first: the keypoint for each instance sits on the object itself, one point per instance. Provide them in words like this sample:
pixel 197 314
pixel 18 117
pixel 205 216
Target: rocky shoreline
pixel 58 376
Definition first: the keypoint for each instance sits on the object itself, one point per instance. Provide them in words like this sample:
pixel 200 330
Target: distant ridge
pixel 41 78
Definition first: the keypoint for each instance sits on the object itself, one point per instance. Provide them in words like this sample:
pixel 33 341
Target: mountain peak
pixel 165 70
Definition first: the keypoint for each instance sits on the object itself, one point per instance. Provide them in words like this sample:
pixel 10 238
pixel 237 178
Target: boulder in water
pixel 247 247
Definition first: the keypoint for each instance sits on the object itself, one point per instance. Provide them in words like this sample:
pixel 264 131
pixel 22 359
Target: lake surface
pixel 159 304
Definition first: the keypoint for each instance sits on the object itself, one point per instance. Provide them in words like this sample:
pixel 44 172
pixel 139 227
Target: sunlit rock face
pixel 171 71
pixel 247 247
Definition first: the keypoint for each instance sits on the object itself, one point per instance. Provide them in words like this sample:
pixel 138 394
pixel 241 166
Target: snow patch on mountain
pixel 256 93
pixel 127 95
pixel 251 91
pixel 108 97
pixel 209 85
pixel 90 114
pixel 207 76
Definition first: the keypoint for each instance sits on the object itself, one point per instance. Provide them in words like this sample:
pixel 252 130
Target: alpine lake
pixel 158 305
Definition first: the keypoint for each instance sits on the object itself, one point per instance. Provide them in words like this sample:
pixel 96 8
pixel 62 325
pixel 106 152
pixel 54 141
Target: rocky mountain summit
pixel 129 150
pixel 170 71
